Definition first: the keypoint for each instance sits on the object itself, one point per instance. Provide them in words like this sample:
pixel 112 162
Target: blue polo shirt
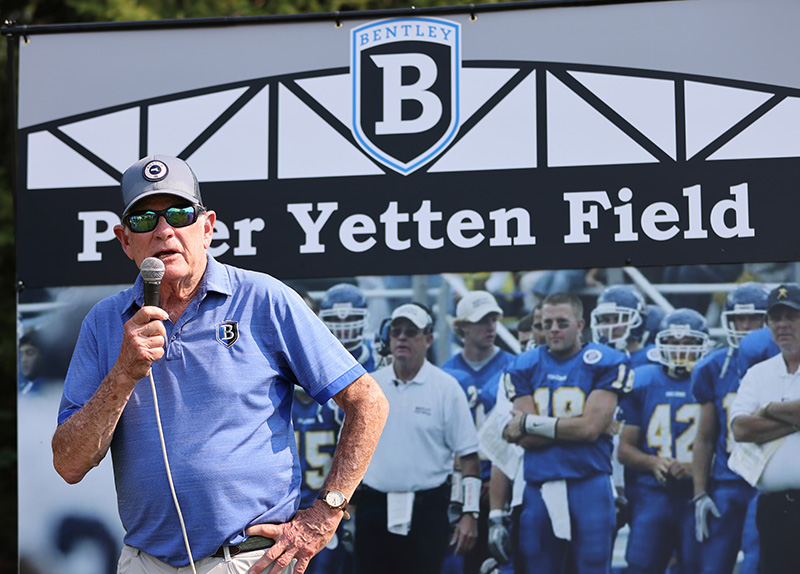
pixel 225 388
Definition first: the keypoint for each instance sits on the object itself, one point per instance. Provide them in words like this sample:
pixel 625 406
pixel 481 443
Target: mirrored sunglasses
pixel 147 220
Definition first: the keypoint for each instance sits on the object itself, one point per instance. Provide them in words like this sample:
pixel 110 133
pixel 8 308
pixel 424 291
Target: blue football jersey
pixel 756 347
pixel 716 379
pixel 316 430
pixel 666 413
pixel 647 355
pixel 559 389
pixel 481 385
pixel 481 389
pixel 365 354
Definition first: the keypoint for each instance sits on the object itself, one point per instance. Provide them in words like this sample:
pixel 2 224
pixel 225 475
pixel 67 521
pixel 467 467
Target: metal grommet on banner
pixel 337 21
pixel 472 15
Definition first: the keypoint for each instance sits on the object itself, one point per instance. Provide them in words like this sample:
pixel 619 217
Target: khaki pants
pixel 133 561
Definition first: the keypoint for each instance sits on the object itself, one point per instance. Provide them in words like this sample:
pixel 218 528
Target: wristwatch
pixel 335 500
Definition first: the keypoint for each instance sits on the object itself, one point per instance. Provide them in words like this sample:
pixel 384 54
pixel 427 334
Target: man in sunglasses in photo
pixel 402 522
pixel 224 349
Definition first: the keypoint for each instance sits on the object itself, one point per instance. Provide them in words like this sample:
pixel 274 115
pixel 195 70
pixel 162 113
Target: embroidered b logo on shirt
pixel 227 332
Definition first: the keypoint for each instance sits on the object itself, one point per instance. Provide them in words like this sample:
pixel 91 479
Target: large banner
pixel 528 139
pixel 653 133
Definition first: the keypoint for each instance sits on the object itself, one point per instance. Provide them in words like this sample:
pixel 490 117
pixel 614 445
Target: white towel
pixel 554 496
pixel 399 508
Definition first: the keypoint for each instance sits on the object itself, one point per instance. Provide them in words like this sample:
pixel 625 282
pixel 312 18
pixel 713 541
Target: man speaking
pixel 218 358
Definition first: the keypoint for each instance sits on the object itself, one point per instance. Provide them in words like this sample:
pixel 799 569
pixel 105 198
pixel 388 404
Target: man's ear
pixel 122 234
pixel 208 228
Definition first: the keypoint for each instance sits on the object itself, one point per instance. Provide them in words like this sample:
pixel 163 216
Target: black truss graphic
pixel 523 70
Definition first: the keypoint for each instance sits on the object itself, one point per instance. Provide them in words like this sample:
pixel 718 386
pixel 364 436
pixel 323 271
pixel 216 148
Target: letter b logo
pixel 396 94
pixel 405 89
pixel 227 332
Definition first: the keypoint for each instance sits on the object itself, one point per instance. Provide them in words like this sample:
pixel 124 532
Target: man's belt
pixel 252 543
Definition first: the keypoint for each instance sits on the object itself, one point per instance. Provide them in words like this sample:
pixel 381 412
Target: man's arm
pixel 82 441
pixel 500 494
pixel 597 418
pixel 366 409
pixel 500 488
pixel 703 448
pixel 702 456
pixel 749 423
pixel 466 533
pixel 787 412
pixel 762 426
pixel 513 430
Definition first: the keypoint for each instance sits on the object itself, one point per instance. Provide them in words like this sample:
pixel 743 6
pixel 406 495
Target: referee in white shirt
pixel 767 409
pixel 401 522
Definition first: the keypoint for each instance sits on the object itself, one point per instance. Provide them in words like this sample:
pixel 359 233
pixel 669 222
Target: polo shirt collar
pixel 783 369
pixel 215 280
pixel 424 373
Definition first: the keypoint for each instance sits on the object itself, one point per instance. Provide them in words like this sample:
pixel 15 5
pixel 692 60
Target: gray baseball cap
pixel 157 174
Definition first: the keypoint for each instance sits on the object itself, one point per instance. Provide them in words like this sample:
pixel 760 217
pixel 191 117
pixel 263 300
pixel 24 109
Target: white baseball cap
pixel 475 305
pixel 414 313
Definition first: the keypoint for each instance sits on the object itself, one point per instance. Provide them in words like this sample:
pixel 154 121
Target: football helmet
pixel 344 312
pixel 746 299
pixel 618 312
pixel 646 332
pixel 682 340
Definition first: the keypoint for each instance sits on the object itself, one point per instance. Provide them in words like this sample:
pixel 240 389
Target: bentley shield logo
pixel 227 332
pixel 405 75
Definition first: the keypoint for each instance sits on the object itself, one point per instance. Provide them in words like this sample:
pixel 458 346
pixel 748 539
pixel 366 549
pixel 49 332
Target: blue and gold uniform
pixel 647 355
pixel 716 380
pixel 560 388
pixel 480 387
pixel 666 414
pixel 365 354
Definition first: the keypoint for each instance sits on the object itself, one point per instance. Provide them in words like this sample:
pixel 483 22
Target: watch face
pixel 334 498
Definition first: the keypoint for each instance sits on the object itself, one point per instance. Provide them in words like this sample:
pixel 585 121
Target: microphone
pixel 152 271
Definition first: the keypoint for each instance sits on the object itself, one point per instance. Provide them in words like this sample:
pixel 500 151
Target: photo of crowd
pixel 585 419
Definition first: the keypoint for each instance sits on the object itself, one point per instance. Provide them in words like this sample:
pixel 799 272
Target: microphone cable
pixel 152 272
pixel 169 473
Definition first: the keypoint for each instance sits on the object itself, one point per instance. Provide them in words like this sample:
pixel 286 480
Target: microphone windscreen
pixel 152 270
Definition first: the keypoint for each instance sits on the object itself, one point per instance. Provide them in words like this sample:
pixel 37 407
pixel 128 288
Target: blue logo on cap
pixel 155 170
